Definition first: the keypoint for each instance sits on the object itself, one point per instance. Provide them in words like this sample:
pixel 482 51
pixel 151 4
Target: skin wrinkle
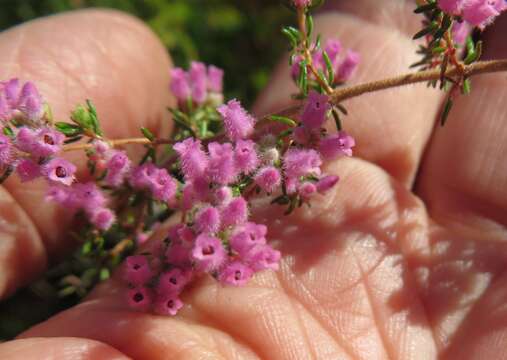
pixel 325 327
pixel 235 335
pixel 374 312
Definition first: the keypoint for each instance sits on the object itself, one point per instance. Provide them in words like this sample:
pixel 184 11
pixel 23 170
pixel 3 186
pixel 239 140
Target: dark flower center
pixel 170 304
pixel 173 281
pixel 61 172
pixel 208 250
pixel 48 140
pixel 136 266
pixel 237 275
pixel 138 297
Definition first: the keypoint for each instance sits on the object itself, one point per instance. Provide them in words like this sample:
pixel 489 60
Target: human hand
pixel 370 270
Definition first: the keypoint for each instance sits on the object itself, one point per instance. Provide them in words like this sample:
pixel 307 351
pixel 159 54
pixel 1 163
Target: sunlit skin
pixel 405 258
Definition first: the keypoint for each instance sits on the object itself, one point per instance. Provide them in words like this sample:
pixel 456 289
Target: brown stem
pixel 341 94
pixel 480 67
pixel 119 142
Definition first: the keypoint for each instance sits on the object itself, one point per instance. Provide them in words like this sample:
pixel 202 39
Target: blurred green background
pixel 241 36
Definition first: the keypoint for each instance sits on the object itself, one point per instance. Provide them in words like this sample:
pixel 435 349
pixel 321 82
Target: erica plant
pixel 218 160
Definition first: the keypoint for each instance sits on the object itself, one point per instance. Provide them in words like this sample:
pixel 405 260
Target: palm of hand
pixel 370 270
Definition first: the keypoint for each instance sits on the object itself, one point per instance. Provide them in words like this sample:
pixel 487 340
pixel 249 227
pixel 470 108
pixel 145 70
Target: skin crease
pixel 404 259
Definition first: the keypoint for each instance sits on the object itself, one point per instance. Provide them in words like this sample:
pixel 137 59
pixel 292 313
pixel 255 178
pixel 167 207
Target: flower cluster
pixel 198 85
pixel 480 13
pixel 216 236
pixel 343 63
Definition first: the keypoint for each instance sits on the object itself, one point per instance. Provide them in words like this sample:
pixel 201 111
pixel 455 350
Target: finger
pixel 344 290
pixel 105 56
pixel 58 349
pixel 464 177
pixel 391 127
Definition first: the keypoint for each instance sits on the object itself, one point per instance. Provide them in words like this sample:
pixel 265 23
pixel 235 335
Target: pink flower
pixel 222 167
pixel 263 257
pixel 25 139
pixel 137 270
pixel 102 218
pixel 315 110
pixel 12 91
pixel 238 123
pixel 207 220
pixel 199 81
pixel 301 162
pixel 101 147
pixel 268 178
pixel 482 12
pixel 30 102
pixel 180 86
pixel 139 298
pixel 194 161
pixel 42 142
pixel 117 166
pixel 460 31
pixel 178 254
pixel 58 194
pixel 326 183
pixel 208 253
pixel 222 196
pixel 452 7
pixel 168 304
pixel 235 273
pixel 28 170
pixel 142 176
pixel 6 151
pixel 301 3
pixel 85 196
pixel 215 77
pixel 245 237
pixel 307 189
pixel 245 156
pixel 163 186
pixel 172 281
pixel 333 49
pixel 235 213
pixel 5 109
pixel 336 145
pixel 348 66
pixel 59 170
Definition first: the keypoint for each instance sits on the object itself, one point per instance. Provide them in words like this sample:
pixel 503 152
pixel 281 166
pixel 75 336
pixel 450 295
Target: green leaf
pixel 68 129
pixel 147 134
pixel 292 34
pixel 473 52
pixel 318 42
pixel 446 111
pixel 283 120
pixel 67 291
pixel 86 248
pixel 72 139
pixel 94 118
pixel 337 119
pixel 427 30
pixel 425 8
pixel 81 117
pixel 467 87
pixel 8 131
pixel 303 77
pixel 329 67
pixel 309 25
pixel 104 274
